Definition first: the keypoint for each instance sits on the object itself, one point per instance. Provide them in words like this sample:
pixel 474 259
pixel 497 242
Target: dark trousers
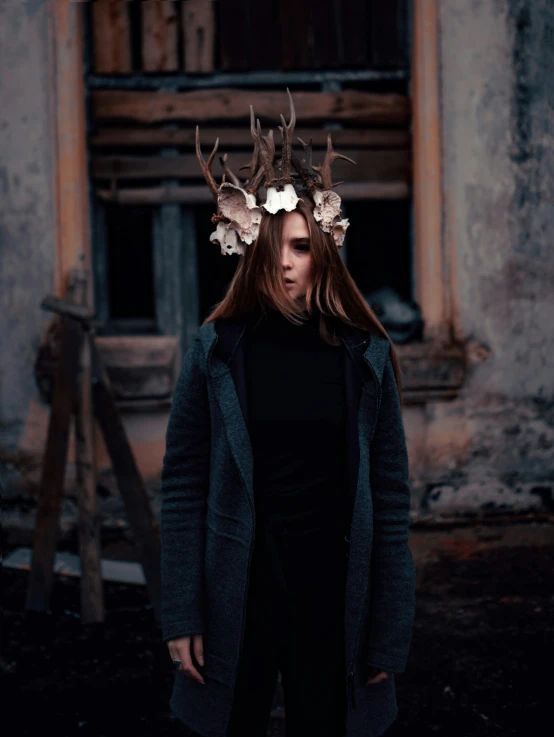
pixel 295 625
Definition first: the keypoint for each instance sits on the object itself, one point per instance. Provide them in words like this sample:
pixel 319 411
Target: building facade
pixel 447 107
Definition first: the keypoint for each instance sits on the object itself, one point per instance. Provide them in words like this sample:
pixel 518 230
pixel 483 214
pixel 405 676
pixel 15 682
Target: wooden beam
pixel 53 467
pixel 111 37
pixel 159 36
pixel 198 36
pixel 88 523
pixel 200 194
pixel 167 266
pixel 376 166
pixel 429 276
pixel 65 307
pixel 240 137
pixel 70 160
pixel 234 104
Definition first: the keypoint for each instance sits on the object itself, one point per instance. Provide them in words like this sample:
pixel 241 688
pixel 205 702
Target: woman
pixel 285 497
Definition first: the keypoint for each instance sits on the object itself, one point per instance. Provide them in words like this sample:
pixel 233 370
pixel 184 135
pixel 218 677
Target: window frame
pixel 432 369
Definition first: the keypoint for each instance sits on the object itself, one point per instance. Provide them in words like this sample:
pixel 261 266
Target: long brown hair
pixel 332 293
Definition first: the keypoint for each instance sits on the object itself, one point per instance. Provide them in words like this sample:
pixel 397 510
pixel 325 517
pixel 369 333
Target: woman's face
pixel 296 259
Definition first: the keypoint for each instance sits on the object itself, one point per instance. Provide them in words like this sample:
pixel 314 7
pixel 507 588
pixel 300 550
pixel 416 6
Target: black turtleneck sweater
pixel 297 416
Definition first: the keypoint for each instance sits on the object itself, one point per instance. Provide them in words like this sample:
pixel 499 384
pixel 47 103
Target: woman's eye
pixel 302 247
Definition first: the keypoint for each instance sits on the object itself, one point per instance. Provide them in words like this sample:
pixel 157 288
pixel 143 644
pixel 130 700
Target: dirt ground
pixel 480 662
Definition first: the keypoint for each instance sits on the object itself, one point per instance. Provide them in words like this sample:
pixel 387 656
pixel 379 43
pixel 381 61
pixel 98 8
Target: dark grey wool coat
pixel 208 524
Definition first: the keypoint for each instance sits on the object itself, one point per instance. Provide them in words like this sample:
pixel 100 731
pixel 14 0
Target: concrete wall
pixel 27 213
pixel 495 444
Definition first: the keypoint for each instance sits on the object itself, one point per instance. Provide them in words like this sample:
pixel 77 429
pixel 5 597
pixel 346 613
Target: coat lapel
pixel 221 342
pixel 231 351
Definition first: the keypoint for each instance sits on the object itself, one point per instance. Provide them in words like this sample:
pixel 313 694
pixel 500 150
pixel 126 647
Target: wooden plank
pixel 296 35
pixel 100 261
pixel 429 255
pixel 65 307
pixel 192 195
pixel 167 237
pixel 199 194
pixel 385 34
pixel 232 24
pixel 111 37
pixel 198 36
pixel 144 526
pixel 88 526
pixel 371 165
pixel 159 36
pixel 71 194
pixel 264 48
pixel 199 106
pixel 88 523
pixel 240 137
pixel 53 468
pixel 355 33
pixel 325 29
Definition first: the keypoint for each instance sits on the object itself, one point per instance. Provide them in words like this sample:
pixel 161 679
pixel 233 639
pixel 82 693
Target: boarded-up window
pixel 159 68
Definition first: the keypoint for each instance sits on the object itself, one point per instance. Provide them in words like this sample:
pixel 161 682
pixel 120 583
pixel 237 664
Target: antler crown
pixel 238 213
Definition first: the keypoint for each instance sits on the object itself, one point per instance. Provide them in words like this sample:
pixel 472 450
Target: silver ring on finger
pixel 176 662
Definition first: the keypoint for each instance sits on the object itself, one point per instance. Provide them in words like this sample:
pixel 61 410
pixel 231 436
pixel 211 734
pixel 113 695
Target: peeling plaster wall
pixel 495 444
pixel 27 227
pixel 498 136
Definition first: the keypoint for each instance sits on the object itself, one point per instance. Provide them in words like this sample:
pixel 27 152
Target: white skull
pixel 287 199
pixel 339 231
pixel 228 239
pixel 240 208
pixel 327 208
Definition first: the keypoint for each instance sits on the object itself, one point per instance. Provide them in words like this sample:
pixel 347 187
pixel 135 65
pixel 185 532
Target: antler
pixel 253 163
pixel 227 172
pixel 304 167
pixel 207 166
pixel 267 152
pixel 324 170
pixel 256 170
pixel 286 132
pixel 308 148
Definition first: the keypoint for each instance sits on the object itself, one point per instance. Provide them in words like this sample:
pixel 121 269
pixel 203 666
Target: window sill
pixel 141 368
pixel 431 370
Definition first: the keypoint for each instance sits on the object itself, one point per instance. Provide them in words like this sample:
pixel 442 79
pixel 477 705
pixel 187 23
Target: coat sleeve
pixel 392 593
pixel 184 488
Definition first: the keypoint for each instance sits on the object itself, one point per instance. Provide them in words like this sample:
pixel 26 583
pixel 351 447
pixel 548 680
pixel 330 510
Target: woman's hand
pixel 376 675
pixel 180 649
